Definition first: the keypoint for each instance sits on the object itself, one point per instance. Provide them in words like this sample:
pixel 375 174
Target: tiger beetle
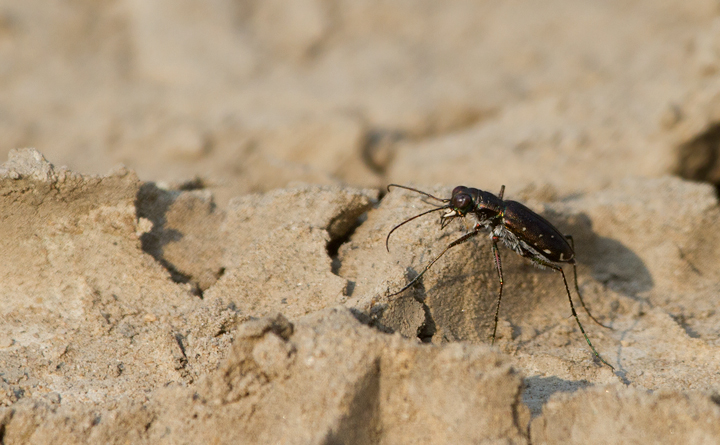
pixel 519 228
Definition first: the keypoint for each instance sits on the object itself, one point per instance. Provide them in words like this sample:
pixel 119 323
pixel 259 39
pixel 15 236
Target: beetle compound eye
pixel 461 201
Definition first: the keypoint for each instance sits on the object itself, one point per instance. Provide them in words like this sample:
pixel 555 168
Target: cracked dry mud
pixel 231 284
pixel 102 344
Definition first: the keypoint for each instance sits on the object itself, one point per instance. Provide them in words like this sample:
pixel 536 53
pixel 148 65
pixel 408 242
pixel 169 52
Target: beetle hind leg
pixel 577 288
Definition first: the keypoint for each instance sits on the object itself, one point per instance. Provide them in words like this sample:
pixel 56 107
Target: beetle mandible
pixel 519 228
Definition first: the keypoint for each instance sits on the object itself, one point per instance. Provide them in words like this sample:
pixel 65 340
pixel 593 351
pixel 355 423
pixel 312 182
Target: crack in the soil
pixel 699 158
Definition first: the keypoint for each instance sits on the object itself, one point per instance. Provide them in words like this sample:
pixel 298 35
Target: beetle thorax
pixel 483 219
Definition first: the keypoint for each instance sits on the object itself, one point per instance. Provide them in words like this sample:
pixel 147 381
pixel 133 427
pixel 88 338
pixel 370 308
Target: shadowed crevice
pixel 361 423
pixel 154 204
pixel 699 158
pixel 341 228
pixel 538 390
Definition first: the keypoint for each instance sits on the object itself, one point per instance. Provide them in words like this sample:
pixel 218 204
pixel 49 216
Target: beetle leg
pixel 498 266
pixel 572 307
pixel 458 241
pixel 577 288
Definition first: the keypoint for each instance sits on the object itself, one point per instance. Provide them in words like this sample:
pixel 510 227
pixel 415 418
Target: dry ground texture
pixel 210 267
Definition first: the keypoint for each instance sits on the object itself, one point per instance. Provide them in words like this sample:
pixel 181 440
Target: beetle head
pixel 460 204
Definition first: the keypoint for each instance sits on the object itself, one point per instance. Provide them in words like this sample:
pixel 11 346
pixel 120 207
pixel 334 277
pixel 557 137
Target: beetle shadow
pixel 611 263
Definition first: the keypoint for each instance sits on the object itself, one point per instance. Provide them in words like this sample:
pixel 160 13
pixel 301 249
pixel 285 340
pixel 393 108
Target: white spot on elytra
pixel 548 251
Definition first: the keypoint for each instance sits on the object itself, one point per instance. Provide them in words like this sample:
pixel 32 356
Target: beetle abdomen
pixel 537 232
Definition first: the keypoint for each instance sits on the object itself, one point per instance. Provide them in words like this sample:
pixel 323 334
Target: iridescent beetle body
pixel 519 228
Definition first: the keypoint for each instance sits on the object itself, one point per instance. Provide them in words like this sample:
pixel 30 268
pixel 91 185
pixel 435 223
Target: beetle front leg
pixel 458 241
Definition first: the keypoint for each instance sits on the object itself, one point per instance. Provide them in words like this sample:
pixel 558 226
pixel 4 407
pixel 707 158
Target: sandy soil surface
pixel 193 250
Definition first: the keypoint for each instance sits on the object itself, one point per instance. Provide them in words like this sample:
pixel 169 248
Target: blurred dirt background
pixel 193 216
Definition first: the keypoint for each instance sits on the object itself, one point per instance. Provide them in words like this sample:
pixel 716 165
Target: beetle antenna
pixel 417 191
pixel 387 240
